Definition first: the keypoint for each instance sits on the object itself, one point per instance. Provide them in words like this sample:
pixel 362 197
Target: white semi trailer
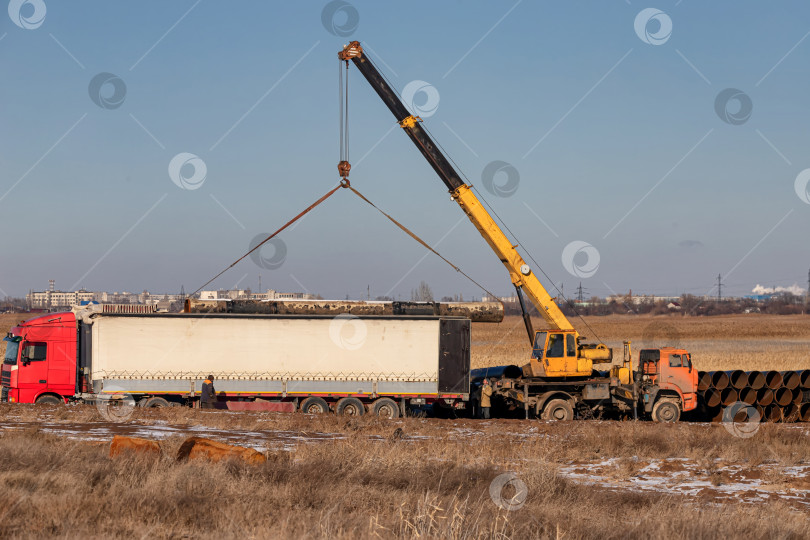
pixel 347 364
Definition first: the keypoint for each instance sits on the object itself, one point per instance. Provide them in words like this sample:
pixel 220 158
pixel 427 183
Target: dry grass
pixel 745 342
pixel 432 483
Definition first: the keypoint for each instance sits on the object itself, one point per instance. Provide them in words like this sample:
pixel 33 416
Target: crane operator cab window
pixel 539 345
pixel 556 346
pixel 571 345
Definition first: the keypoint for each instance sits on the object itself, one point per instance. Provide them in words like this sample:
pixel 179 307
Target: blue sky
pixel 615 136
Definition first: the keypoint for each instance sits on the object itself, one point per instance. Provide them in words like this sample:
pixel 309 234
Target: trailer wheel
pixel 666 411
pixel 314 405
pixel 350 406
pixel 386 408
pixel 155 402
pixel 558 409
pixel 49 399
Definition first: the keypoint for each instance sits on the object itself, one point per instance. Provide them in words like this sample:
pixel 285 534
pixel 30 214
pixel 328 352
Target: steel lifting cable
pixel 423 243
pixel 260 244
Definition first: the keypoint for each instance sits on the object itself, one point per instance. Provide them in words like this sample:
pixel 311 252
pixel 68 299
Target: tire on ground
pixel 155 402
pixel 350 406
pixel 314 405
pixel 385 408
pixel 666 410
pixel 558 409
pixel 49 399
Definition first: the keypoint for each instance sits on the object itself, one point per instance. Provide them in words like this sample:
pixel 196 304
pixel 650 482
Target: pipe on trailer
pixel 756 379
pixel 748 396
pixel 704 380
pixel 773 413
pixel 728 396
pixel 711 398
pixel 783 397
pixel 719 380
pixel 765 397
pixel 790 379
pixel 773 379
pixel 737 378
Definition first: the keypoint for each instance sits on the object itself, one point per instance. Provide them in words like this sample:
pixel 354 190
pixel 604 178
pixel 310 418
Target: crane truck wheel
pixel 155 402
pixel 385 408
pixel 49 400
pixel 666 411
pixel 558 409
pixel 314 405
pixel 350 406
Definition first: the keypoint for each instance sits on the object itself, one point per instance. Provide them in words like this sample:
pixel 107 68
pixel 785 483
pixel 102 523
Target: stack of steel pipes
pixel 778 396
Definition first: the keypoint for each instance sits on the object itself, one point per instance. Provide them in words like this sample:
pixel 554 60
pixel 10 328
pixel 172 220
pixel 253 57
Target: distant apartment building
pixel 53 299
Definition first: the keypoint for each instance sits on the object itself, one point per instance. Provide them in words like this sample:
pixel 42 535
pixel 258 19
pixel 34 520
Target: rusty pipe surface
pixel 765 396
pixel 704 380
pixel 728 396
pixel 737 378
pixel 756 379
pixel 760 412
pixel 790 379
pixel 719 379
pixel 711 397
pixel 798 396
pixel 773 413
pixel 791 413
pixel 748 396
pixel 804 378
pixel 716 416
pixel 783 396
pixel 773 379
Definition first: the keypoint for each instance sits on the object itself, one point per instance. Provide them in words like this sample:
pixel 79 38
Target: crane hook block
pixel 343 169
pixel 352 50
pixel 409 122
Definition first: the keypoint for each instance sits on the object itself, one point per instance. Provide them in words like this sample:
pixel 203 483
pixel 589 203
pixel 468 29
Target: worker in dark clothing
pixel 209 395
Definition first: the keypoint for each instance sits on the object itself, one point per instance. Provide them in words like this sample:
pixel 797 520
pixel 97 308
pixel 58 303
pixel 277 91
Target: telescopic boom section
pixel 522 276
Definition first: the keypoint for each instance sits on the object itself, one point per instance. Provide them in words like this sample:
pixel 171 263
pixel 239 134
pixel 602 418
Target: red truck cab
pixel 40 361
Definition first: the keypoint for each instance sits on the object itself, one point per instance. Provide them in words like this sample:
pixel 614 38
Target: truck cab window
pixel 675 360
pixel 12 348
pixel 539 344
pixel 555 346
pixel 687 360
pixel 34 352
pixel 571 345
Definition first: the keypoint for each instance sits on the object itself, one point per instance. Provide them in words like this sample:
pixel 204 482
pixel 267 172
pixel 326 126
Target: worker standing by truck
pixel 486 403
pixel 209 395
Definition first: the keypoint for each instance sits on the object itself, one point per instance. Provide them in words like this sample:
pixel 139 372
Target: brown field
pixel 342 478
pixel 747 342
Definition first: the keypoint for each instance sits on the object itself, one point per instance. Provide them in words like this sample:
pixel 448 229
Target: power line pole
pixel 580 295
pixel 719 288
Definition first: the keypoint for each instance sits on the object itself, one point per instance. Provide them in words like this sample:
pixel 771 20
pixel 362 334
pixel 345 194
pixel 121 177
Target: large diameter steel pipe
pixel 756 379
pixel 716 416
pixel 765 397
pixel 760 412
pixel 798 396
pixel 711 397
pixel 804 378
pixel 748 396
pixel 790 379
pixel 773 413
pixel 737 378
pixel 704 380
pixel 783 397
pixel 475 311
pixel 773 379
pixel 728 396
pixel 719 379
pixel 792 413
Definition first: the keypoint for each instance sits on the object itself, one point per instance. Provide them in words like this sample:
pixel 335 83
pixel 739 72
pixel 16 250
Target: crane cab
pixel 559 353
